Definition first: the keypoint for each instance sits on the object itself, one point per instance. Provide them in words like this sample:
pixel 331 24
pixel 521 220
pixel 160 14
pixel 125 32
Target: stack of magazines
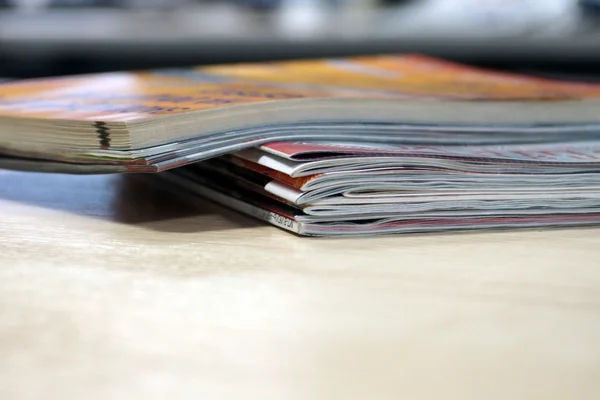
pixel 364 145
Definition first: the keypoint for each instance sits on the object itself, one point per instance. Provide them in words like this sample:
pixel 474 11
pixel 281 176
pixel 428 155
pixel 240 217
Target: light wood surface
pixel 113 288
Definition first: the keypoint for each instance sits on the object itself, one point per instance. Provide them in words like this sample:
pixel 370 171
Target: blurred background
pixel 55 37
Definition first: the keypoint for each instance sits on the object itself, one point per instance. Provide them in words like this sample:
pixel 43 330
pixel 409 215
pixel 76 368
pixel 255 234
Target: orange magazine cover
pixel 129 96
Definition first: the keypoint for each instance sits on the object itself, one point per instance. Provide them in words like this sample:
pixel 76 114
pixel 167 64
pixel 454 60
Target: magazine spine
pixel 271 217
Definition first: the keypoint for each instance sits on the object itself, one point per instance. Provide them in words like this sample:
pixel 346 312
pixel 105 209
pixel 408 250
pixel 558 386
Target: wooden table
pixel 112 287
